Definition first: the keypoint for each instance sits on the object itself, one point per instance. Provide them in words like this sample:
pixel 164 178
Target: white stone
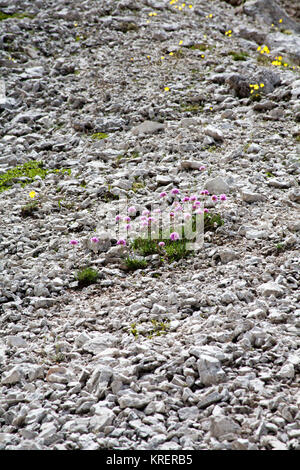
pixel 209 369
pixel 215 133
pixel 103 417
pixel 221 425
pixel 270 288
pixel 16 342
pixel 12 377
pixel 287 371
pixel 217 186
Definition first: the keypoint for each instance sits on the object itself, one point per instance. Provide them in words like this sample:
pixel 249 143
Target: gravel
pixel 200 353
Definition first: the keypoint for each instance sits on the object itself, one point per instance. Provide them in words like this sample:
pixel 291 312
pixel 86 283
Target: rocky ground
pixel 169 86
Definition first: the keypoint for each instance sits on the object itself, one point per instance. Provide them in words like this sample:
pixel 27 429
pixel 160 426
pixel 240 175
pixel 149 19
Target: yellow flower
pixel 183 5
pixel 279 57
pixel 190 6
pixel 180 42
pixel 202 55
pixel 167 88
pixel 162 57
pixel 171 53
pixel 280 21
pixel 262 85
pixel 285 65
pixel 32 194
pixel 210 16
pixel 259 48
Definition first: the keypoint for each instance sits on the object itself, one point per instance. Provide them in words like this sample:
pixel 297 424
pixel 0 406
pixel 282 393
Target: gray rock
pixel 16 342
pixel 287 371
pixel 222 425
pixel 270 288
pixel 210 371
pixel 147 127
pixel 13 376
pixel 268 13
pixel 103 417
pixel 134 400
pixel 249 196
pixel 99 343
pixel 215 133
pixel 217 186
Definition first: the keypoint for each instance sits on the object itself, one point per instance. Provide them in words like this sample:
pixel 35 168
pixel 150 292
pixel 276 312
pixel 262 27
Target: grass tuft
pixel 87 276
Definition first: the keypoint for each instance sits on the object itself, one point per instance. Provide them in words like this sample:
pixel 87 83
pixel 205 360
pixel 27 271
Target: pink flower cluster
pixel 148 221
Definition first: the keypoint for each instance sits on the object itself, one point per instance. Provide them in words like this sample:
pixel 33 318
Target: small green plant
pixel 199 47
pixel 134 330
pixel 159 328
pixel 29 209
pixel 133 264
pixel 5 16
pixel 87 276
pixel 212 222
pixel 59 356
pixel 279 247
pixel 172 250
pixel 99 136
pixel 263 60
pixel 25 174
pixel 239 56
pixel 191 108
pixel 137 185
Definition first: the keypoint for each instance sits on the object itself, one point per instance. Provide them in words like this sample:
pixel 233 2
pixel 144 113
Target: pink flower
pixel 193 198
pixel 187 216
pixel 223 197
pixel 161 244
pixel 118 217
pixel 185 199
pixel 175 191
pixel 199 211
pixel 205 192
pixel 131 210
pixel 143 217
pixel 157 211
pixel 146 212
pixel 127 219
pixel 205 210
pixel 174 236
pixel 202 168
pixel 172 214
pixel 94 239
pixel 198 203
pixel 214 198
pixel 163 194
pixel 121 242
pixel 178 208
pixel 128 227
pixel 151 219
pixel 73 242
